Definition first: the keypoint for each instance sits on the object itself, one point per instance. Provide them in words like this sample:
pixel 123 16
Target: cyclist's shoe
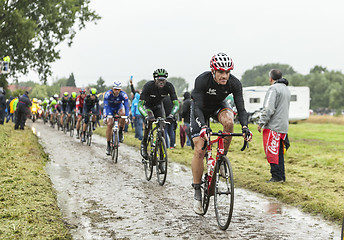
pixel 108 150
pixel 144 153
pixel 197 207
pixel 121 137
pixel 83 137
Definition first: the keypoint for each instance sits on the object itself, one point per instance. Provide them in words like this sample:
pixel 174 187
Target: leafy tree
pixel 31 30
pixel 40 92
pixel 179 84
pixel 318 69
pixel 140 84
pixel 101 85
pixel 71 81
pixel 258 76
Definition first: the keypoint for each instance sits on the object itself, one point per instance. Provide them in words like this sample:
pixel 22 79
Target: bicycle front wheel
pixel 89 134
pixel 71 126
pixel 224 192
pixel 148 163
pixel 114 146
pixel 161 163
pixel 65 125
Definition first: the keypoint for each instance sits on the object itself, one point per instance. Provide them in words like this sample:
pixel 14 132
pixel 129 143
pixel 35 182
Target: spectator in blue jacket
pixel 137 117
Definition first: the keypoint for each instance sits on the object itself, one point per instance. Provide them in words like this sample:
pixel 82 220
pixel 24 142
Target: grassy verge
pixel 314 166
pixel 28 206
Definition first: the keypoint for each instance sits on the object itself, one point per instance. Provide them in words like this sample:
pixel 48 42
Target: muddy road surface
pixel 103 200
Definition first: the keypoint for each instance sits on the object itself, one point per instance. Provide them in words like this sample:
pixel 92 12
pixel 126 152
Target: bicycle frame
pixel 220 152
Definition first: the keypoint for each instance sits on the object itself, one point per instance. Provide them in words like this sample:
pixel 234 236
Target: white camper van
pixel 299 101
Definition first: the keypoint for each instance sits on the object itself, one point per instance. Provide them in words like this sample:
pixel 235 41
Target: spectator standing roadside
pixel 275 121
pixel 137 117
pixel 7 60
pixel 186 117
pixel 23 109
pixel 170 135
pixel 2 105
pixel 9 113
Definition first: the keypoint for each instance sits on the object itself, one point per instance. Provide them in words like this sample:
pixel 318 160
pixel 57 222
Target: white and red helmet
pixel 222 62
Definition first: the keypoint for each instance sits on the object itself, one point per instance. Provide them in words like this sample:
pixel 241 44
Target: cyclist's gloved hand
pixel 148 119
pixel 170 118
pixel 247 134
pixel 204 132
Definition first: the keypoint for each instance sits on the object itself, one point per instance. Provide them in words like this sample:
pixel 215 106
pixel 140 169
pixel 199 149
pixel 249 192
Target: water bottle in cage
pixel 211 165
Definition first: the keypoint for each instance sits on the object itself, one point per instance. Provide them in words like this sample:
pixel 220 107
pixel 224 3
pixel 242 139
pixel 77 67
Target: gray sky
pixel 135 37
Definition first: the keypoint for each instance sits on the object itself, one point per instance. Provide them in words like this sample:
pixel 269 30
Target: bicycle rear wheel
pixel 148 163
pixel 161 161
pixel 224 192
pixel 114 146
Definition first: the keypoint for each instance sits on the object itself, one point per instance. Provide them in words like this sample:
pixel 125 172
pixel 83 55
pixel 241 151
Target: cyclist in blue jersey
pixel 115 103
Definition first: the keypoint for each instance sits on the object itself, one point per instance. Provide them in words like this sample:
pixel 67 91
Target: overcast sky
pixel 135 37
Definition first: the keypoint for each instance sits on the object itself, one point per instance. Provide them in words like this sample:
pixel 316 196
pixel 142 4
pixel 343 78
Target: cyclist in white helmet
pixel 115 102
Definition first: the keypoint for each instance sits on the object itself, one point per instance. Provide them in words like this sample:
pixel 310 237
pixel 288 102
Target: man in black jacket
pixel 186 117
pixel 23 109
pixel 2 105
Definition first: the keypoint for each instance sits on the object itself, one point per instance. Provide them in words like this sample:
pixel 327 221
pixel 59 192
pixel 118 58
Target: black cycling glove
pixel 247 132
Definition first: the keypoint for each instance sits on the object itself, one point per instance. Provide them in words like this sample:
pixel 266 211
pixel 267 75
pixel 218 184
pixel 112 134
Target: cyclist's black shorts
pixel 87 114
pixel 157 111
pixel 70 109
pixel 195 125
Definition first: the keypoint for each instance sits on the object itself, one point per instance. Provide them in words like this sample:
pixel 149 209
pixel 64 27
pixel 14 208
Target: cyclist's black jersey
pixel 89 103
pixel 208 96
pixel 64 104
pixel 71 103
pixel 153 96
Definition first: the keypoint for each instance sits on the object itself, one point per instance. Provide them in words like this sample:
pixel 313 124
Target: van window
pixel 254 100
pixel 293 98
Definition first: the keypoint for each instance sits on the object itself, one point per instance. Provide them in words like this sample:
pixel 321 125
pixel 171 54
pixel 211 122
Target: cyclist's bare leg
pixel 78 122
pixel 68 117
pixel 226 119
pixel 197 160
pixel 121 112
pixel 94 119
pixel 109 123
pixel 61 119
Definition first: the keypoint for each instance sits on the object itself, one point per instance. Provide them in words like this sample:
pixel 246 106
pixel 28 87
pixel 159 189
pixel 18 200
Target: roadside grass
pixel 314 165
pixel 28 205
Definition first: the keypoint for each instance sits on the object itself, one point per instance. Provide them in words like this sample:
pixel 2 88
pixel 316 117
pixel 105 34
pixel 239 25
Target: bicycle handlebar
pixel 222 134
pixel 160 119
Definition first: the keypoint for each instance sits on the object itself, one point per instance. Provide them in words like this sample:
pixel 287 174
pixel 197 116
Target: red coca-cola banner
pixel 271 141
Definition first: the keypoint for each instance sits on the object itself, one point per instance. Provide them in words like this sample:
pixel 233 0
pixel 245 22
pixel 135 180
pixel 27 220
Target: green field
pixel 28 206
pixel 314 166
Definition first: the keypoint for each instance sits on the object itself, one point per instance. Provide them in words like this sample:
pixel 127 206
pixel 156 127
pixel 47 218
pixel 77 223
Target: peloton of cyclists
pixel 209 94
pixel 91 106
pixel 79 109
pixel 150 104
pixel 115 102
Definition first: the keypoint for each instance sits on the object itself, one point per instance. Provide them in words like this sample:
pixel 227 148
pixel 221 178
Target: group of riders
pixel 208 100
